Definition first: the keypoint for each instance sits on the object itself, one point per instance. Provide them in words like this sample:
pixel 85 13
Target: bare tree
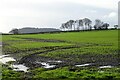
pixel 14 31
pixel 63 26
pixel 98 24
pixel 67 25
pixel 115 26
pixel 105 26
pixel 71 23
pixel 87 22
pixel 84 24
pixel 80 22
pixel 77 23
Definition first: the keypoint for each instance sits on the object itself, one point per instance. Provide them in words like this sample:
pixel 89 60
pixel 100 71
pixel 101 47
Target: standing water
pixel 19 67
pixel 4 59
pixel 82 65
pixel 108 66
pixel 46 65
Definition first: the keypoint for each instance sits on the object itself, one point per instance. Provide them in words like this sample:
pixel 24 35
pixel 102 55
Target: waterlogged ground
pixel 90 54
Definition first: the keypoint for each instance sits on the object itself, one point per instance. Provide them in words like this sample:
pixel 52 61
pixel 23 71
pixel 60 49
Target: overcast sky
pixel 51 13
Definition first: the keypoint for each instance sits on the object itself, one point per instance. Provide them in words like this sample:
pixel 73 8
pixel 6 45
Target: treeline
pixel 84 24
pixel 74 25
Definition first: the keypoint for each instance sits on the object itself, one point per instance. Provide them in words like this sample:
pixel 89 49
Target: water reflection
pixel 83 65
pixel 19 67
pixel 46 65
pixel 109 66
pixel 4 59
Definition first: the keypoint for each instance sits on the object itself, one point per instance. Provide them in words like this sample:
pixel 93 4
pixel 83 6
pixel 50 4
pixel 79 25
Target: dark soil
pixel 42 40
pixel 67 60
pixel 96 60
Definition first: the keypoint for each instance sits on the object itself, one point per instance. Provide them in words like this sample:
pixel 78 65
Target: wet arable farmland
pixel 83 55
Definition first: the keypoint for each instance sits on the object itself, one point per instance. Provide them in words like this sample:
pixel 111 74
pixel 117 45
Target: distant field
pixel 72 48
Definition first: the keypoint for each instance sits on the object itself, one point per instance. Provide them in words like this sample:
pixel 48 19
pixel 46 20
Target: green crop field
pixel 67 51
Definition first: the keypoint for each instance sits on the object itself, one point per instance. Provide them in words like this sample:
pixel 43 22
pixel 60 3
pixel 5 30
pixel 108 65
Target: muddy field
pixel 54 51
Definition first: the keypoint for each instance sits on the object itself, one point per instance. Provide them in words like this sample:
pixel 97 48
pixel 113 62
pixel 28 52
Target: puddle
pixel 56 61
pixel 46 65
pixel 106 66
pixel 83 65
pixel 2 56
pixel 4 59
pixel 19 67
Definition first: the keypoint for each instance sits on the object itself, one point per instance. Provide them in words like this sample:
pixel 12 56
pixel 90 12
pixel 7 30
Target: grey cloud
pixel 54 14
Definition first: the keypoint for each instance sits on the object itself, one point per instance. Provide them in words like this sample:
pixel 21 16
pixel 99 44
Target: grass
pixel 79 47
pixel 81 37
pixel 9 74
pixel 66 73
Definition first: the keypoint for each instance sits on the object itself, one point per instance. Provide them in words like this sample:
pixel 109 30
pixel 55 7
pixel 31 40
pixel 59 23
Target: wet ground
pixel 7 60
pixel 87 60
pixel 44 62
pixel 35 60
